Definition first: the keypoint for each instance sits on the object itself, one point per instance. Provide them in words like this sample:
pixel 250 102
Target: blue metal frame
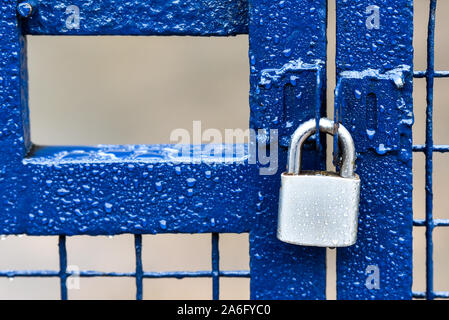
pixel 151 189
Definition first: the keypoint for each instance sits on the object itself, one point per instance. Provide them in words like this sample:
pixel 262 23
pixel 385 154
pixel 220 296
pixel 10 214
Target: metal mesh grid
pixel 428 149
pixel 139 273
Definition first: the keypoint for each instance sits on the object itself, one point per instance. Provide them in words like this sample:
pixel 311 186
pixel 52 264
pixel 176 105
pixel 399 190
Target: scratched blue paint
pixel 137 17
pixel 287 43
pixel 382 134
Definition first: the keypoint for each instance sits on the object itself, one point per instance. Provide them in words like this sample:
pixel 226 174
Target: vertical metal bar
pixel 215 267
pixel 375 59
pixel 14 121
pixel 139 267
pixel 283 38
pixel 63 266
pixel 429 149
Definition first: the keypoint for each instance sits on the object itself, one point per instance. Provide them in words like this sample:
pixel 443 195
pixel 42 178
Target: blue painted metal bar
pixel 145 275
pixel 287 48
pixel 139 267
pixel 436 74
pixel 30 274
pixel 215 267
pixel 436 223
pixel 14 121
pixel 435 148
pixel 437 295
pixel 374 62
pixel 429 149
pixel 133 189
pixel 139 17
pixel 63 266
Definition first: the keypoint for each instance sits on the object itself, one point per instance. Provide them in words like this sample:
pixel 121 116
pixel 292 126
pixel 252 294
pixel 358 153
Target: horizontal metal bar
pixel 153 275
pixel 438 295
pixel 138 17
pixel 197 274
pixel 137 189
pixel 436 223
pixel 29 274
pixel 235 274
pixel 437 74
pixel 436 148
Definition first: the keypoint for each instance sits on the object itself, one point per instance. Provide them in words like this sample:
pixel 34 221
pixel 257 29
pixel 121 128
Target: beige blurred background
pixel 120 90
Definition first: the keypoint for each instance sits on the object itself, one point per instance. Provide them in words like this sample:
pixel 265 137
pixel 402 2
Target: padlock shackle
pixel 307 129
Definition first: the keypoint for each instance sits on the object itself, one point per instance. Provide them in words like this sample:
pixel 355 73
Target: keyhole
pixel 371 115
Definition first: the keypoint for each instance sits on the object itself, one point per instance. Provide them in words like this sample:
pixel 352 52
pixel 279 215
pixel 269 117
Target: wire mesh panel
pixel 429 223
pixel 140 274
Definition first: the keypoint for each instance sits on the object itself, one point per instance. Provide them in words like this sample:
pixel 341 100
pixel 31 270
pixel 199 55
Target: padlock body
pixel 318 209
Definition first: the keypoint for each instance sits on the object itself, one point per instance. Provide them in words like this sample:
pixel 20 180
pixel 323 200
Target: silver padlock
pixel 319 208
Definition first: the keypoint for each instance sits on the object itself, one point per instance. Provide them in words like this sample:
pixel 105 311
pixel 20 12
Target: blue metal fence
pixel 44 190
pixel 215 274
pixel 429 148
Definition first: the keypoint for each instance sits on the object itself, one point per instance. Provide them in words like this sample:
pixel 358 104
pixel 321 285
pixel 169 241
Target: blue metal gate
pixel 150 189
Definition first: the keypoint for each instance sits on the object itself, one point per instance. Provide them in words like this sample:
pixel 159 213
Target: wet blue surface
pixel 156 17
pixel 285 38
pixel 134 189
pixel 152 189
pixel 375 67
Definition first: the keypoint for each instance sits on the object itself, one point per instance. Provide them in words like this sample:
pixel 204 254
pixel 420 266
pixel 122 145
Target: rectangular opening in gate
pixel 29 289
pixel 419 259
pixel 101 253
pixel 420 18
pixel 441 186
pixel 135 90
pixel 192 254
pixel 419 185
pixel 441 39
pixel 441 259
pixel 104 288
pixel 28 253
pixel 176 252
pixel 177 289
pixel 419 110
pixel 234 289
pixel 234 251
pixel 441 111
